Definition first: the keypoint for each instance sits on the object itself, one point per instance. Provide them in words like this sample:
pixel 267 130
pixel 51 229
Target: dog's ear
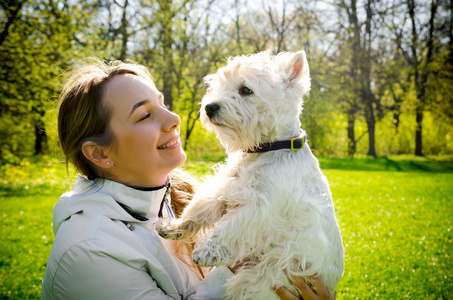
pixel 294 65
pixel 294 68
pixel 298 66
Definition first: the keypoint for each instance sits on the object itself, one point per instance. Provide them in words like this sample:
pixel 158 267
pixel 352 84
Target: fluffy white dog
pixel 269 207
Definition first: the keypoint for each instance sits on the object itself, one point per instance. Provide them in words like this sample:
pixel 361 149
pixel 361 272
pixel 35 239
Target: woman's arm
pixel 86 272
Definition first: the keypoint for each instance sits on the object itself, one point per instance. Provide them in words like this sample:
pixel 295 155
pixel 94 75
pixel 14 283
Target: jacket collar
pixel 107 198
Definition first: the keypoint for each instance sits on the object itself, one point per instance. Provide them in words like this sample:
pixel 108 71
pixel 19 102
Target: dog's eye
pixel 245 91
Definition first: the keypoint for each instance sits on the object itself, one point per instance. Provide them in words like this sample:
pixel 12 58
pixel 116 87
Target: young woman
pixel 114 128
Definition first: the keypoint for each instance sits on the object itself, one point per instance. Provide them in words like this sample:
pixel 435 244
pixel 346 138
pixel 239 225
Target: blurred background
pixel 379 117
pixel 382 70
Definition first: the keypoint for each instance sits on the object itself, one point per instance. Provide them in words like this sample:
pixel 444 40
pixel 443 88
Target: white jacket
pixel 102 252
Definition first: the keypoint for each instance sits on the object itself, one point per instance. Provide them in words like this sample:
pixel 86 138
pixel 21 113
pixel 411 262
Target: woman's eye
pixel 145 117
pixel 245 91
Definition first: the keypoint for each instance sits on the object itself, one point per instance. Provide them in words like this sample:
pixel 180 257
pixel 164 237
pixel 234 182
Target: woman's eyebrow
pixel 138 104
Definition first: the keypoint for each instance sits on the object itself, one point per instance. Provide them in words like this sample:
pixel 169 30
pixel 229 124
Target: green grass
pixel 395 216
pixel 397 234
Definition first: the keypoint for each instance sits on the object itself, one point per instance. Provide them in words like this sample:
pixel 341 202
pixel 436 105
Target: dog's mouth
pixel 216 122
pixel 219 121
pixel 221 125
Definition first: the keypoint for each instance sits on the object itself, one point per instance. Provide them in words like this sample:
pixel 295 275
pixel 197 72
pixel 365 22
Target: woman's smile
pixel 173 143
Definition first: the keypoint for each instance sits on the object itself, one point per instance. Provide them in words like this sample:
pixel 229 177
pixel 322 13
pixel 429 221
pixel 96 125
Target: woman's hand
pixel 305 292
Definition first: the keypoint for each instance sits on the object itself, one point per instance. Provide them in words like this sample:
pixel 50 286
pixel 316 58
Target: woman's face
pixel 146 143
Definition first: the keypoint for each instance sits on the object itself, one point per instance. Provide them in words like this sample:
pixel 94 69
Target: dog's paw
pixel 177 229
pixel 168 230
pixel 209 253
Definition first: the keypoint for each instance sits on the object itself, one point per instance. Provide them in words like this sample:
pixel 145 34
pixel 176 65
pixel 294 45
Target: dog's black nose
pixel 211 109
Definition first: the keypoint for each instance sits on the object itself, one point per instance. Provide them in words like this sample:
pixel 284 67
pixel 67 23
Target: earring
pixel 109 164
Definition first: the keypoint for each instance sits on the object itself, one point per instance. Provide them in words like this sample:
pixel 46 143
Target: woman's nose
pixel 172 121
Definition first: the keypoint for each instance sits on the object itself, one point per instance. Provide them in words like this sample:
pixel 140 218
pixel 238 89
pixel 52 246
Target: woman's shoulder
pixel 91 251
pixel 86 239
pixel 88 232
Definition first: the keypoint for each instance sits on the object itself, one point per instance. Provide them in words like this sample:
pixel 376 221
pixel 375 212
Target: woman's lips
pixel 172 142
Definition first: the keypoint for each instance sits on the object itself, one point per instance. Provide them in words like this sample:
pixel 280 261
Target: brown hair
pixel 83 117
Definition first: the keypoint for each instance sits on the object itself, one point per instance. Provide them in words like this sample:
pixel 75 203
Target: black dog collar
pixel 294 144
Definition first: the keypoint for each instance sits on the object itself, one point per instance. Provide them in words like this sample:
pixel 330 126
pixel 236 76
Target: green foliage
pixel 394 214
pixel 322 118
pixel 39 47
pixel 32 57
pixel 180 44
pixel 19 137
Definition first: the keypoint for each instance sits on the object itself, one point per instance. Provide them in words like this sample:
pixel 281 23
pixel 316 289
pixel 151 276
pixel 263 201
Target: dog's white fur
pixel 271 212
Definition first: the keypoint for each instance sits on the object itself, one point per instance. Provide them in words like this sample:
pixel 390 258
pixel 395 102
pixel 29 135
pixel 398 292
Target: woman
pixel 114 128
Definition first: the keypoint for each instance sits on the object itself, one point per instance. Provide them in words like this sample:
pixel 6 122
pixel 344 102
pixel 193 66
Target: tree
pixel 361 40
pixel 11 8
pixel 36 51
pixel 441 83
pixel 179 55
pixel 420 67
pixel 280 24
pixel 124 22
pixel 203 55
pixel 161 52
pixel 347 70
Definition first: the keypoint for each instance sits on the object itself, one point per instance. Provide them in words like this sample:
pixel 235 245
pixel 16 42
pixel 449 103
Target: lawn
pixel 395 216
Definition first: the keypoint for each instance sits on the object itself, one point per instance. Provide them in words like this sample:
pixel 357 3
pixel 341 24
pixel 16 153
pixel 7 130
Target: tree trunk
pixel 190 124
pixel 167 90
pixel 13 8
pixel 418 132
pixel 450 35
pixel 238 26
pixel 421 76
pixel 352 146
pixel 369 99
pixel 396 120
pixel 166 52
pixel 40 130
pixel 124 33
pixel 40 139
pixel 371 124
pixel 361 61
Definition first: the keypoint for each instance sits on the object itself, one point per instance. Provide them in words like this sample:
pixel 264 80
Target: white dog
pixel 269 207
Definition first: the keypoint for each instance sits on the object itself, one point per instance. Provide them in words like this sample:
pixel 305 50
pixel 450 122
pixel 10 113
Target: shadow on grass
pixel 391 163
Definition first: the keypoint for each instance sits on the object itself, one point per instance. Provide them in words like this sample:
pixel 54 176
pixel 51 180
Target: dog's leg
pixel 250 283
pixel 201 214
pixel 205 209
pixel 227 241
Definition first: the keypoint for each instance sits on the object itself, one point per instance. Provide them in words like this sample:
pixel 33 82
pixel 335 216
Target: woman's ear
pixel 96 154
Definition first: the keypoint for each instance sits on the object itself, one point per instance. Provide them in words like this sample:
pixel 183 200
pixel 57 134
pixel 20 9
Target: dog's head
pixel 256 99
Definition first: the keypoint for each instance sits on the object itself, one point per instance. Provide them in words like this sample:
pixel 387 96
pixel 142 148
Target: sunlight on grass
pixel 396 226
pixel 27 237
pixel 396 230
pixel 42 175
